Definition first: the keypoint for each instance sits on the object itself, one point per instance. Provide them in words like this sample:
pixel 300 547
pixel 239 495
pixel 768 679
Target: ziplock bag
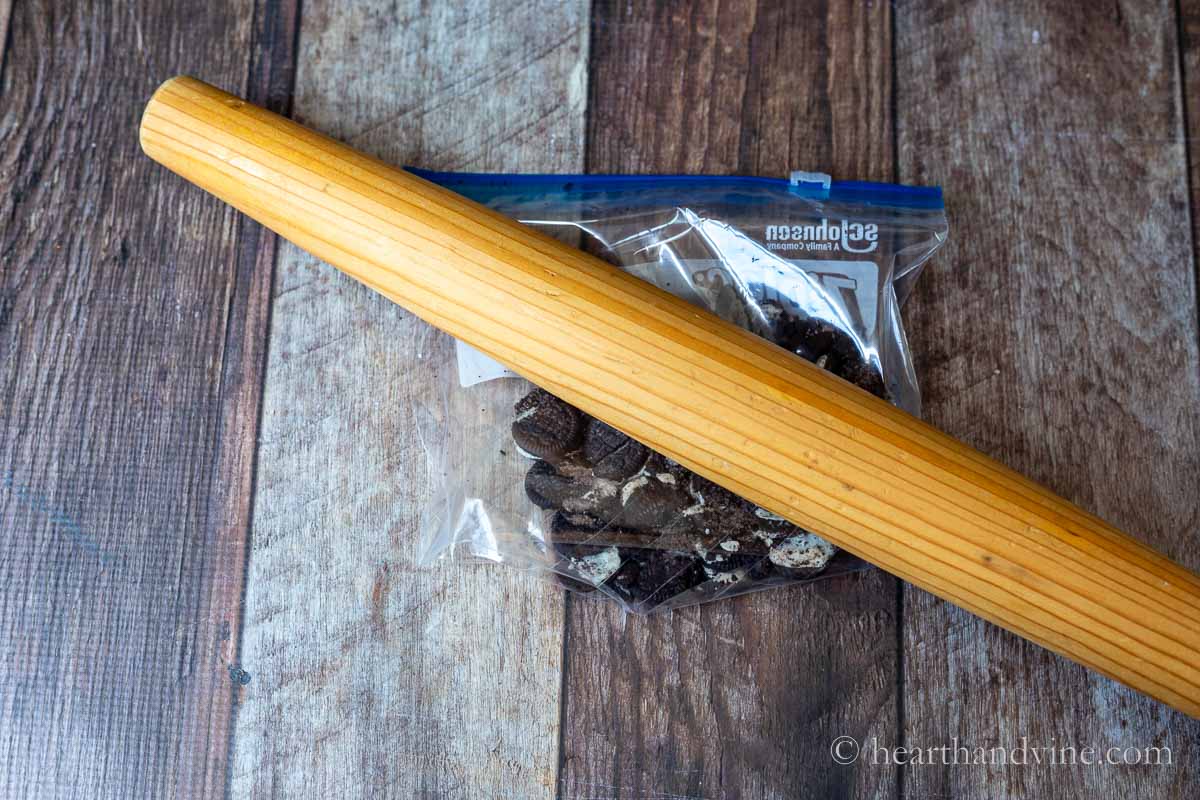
pixel 816 266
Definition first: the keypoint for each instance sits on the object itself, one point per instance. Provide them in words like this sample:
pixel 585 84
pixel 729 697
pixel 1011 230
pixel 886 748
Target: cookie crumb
pixel 628 489
pixel 806 551
pixel 599 567
pixel 766 536
pixel 731 576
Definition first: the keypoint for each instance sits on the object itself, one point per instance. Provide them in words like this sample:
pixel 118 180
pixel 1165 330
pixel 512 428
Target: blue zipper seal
pixel 484 185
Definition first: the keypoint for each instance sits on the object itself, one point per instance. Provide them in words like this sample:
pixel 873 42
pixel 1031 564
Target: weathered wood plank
pixel 740 698
pixel 1189 45
pixel 372 678
pixel 5 16
pixel 127 328
pixel 272 69
pixel 1059 335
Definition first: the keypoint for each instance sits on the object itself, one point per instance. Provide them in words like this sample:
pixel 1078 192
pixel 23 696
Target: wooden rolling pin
pixel 724 403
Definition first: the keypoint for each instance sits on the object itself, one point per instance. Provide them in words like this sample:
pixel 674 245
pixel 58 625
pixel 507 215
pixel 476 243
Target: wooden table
pixel 209 489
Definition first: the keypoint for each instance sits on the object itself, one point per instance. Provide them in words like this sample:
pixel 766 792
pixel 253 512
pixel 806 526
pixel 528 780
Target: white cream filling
pixel 805 551
pixel 599 567
pixel 628 489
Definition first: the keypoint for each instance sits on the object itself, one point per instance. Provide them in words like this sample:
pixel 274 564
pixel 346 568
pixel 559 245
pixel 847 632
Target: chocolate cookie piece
pixel 829 347
pixel 637 575
pixel 643 569
pixel 863 374
pixel 649 578
pixel 583 567
pixel 572 488
pixel 546 427
pixel 721 513
pixel 612 454
pixel 839 354
pixel 649 504
pixel 667 470
pixel 724 570
pixel 546 486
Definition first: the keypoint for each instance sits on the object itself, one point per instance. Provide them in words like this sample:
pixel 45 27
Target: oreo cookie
pixel 545 427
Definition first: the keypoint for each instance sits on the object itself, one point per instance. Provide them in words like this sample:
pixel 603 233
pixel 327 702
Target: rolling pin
pixel 721 401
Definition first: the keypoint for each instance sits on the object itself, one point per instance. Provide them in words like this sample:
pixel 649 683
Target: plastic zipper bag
pixel 816 266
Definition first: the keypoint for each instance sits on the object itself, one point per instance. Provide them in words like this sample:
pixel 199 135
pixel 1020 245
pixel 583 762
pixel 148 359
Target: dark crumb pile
pixel 648 529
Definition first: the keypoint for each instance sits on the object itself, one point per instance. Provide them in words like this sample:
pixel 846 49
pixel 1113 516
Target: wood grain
pixel 5 16
pixel 1060 337
pixel 741 698
pixel 118 460
pixel 761 421
pixel 127 413
pixel 272 66
pixel 372 677
pixel 1189 60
